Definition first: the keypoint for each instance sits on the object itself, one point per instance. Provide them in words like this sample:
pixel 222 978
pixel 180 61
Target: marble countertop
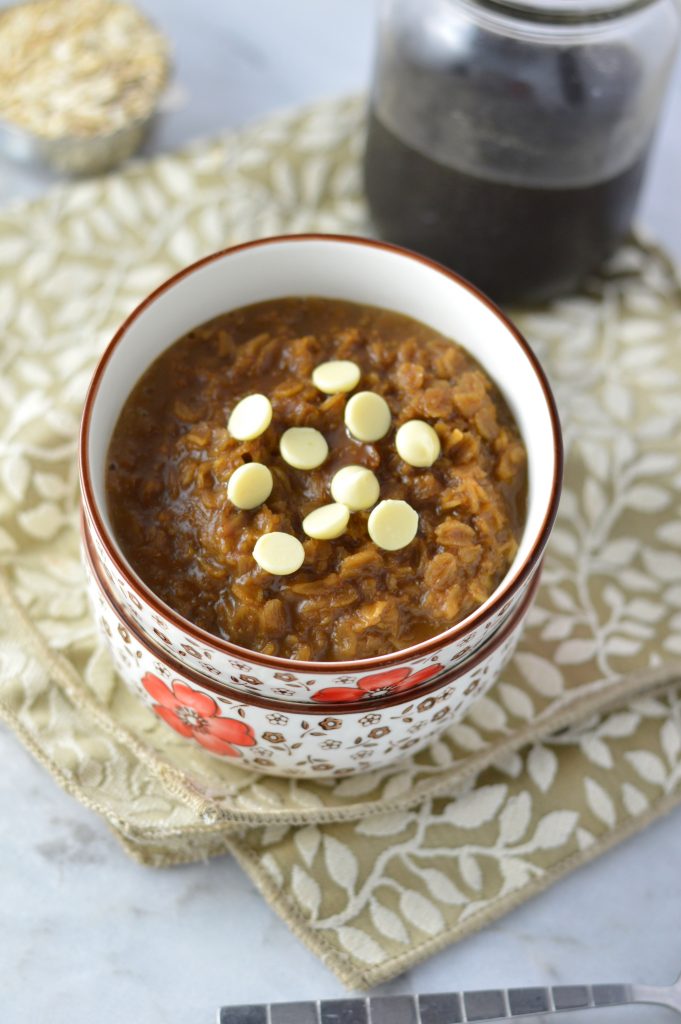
pixel 87 935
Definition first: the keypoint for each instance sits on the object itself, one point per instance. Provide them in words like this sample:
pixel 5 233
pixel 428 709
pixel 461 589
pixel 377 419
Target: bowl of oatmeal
pixel 319 458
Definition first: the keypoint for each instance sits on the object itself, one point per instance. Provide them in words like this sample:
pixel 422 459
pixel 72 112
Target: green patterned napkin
pixel 576 747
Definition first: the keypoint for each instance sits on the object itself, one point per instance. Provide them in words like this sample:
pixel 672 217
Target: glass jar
pixel 508 138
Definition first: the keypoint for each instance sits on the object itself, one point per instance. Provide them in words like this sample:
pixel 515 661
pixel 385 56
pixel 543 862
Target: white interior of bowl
pixel 334 268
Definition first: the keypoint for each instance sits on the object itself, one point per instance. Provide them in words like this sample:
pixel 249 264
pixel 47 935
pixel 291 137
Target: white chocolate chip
pixel 417 443
pixel 367 416
pixel 279 553
pixel 356 487
pixel 393 524
pixel 249 485
pixel 335 376
pixel 250 417
pixel 303 447
pixel 327 522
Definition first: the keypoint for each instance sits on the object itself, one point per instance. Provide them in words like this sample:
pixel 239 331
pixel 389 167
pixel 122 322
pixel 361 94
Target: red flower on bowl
pixel 197 716
pixel 395 680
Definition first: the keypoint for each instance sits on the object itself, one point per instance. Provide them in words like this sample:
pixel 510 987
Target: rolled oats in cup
pixel 80 81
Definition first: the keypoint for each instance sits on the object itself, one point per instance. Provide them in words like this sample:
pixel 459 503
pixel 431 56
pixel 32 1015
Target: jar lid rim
pixel 568 10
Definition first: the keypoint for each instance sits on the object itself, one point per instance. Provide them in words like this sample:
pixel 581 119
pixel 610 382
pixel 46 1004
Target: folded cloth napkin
pixel 577 746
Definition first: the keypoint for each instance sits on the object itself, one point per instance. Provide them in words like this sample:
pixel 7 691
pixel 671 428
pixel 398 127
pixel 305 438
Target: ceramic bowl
pixel 295 739
pixel 361 271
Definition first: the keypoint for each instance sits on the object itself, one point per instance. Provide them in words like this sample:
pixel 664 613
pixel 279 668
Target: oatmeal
pixel 375 543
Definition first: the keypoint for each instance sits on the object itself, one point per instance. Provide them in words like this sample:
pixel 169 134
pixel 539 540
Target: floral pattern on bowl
pixel 395 680
pixel 194 714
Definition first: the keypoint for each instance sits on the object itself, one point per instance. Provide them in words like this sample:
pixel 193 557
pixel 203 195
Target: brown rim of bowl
pixel 311 709
pixel 201 636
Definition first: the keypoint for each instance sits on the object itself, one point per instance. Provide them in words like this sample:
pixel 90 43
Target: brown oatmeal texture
pixel 171 457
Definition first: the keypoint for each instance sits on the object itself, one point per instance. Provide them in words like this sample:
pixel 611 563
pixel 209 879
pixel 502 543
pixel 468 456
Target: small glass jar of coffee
pixel 508 138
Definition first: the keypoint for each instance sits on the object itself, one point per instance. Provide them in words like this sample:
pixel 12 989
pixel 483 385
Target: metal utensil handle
pixel 451 1007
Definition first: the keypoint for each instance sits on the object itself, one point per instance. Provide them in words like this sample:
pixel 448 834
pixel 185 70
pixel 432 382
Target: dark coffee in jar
pixel 515 242
pixel 510 146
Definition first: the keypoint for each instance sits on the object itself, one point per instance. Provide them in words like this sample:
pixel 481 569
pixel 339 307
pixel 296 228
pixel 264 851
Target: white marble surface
pixel 88 936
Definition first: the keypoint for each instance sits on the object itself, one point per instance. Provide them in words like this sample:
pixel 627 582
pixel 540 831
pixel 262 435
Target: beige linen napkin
pixel 576 747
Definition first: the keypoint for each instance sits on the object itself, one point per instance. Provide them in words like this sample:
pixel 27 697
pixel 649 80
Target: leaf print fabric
pixel 576 747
